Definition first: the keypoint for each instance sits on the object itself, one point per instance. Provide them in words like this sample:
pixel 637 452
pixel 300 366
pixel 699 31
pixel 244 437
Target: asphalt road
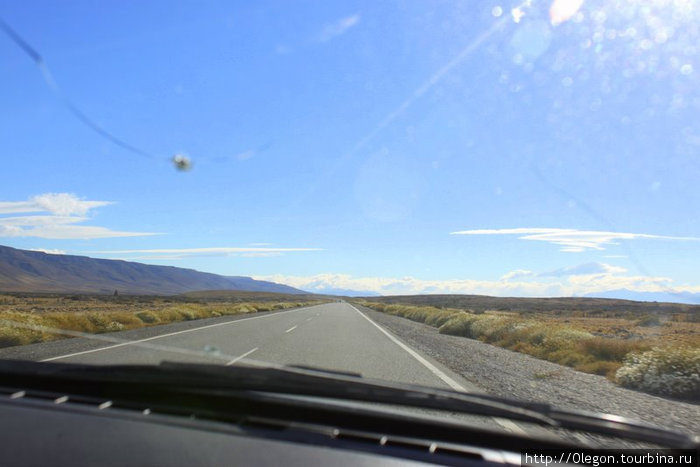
pixel 335 336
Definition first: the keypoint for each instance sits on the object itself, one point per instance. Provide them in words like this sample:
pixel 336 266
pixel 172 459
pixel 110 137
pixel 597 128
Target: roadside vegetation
pixel 660 356
pixel 100 314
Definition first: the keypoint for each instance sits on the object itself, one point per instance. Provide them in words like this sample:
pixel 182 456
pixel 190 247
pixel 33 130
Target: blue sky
pixel 503 148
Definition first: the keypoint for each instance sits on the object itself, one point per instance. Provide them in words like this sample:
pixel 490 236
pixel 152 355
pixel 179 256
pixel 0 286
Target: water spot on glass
pixel 630 32
pixel 517 14
pixel 595 104
pixel 497 11
pixel 645 44
pixel 677 102
pixel 687 69
pixel 599 16
pixel 661 37
pixel 532 39
pixel 567 81
pixel 655 186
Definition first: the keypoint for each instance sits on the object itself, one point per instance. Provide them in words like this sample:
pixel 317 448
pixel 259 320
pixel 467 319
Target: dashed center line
pixel 291 329
pixel 240 357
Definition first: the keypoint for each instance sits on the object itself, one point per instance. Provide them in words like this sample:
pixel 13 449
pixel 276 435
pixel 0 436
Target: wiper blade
pixel 333 384
pixel 312 382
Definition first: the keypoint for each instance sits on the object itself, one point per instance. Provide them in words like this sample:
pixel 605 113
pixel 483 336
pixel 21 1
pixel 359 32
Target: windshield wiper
pixel 312 382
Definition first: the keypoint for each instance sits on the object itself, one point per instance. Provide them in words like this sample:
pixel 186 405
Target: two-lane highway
pixel 335 336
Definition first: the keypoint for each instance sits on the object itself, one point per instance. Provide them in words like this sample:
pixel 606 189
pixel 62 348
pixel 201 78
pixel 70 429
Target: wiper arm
pixel 302 381
pixel 347 386
pixel 333 384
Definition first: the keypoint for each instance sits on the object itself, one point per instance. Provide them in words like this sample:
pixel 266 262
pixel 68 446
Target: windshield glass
pixel 492 197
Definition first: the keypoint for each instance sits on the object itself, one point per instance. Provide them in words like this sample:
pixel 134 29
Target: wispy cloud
pixel 64 212
pixel 63 204
pixel 572 240
pixel 53 251
pixel 338 28
pixel 179 253
pixel 585 269
pixel 577 281
pixel 517 274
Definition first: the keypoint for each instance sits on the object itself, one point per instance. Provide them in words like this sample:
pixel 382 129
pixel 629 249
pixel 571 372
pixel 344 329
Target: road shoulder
pixel 505 373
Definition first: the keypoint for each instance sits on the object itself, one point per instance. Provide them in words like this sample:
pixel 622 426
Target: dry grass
pixel 103 314
pixel 602 346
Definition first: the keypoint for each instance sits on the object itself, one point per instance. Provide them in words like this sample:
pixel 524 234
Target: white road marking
pixel 241 357
pixel 506 424
pixel 291 329
pixel 168 335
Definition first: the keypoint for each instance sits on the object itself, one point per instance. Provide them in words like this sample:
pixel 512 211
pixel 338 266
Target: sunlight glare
pixel 563 10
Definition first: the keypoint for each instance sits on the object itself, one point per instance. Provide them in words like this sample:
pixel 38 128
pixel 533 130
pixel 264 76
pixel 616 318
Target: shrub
pixel 114 326
pixel 187 315
pixel 244 308
pixel 567 356
pixel 600 368
pixel 668 371
pixel 458 325
pixel 98 320
pixel 649 321
pixel 10 336
pixel 439 318
pixel 554 339
pixel 147 317
pixel 611 350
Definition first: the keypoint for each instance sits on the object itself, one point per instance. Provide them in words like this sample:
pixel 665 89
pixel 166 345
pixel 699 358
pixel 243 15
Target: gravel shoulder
pixel 505 373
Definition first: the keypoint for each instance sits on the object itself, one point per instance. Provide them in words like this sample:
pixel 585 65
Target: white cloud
pixel 535 286
pixel 179 253
pixel 338 28
pixel 517 274
pixel 571 240
pixel 62 204
pixel 53 251
pixel 592 268
pixel 65 211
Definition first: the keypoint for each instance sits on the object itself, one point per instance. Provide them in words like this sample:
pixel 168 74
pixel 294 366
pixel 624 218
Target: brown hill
pixel 33 271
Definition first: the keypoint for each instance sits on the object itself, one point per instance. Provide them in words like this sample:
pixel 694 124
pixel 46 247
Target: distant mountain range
pixel 666 297
pixel 34 271
pixel 343 292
